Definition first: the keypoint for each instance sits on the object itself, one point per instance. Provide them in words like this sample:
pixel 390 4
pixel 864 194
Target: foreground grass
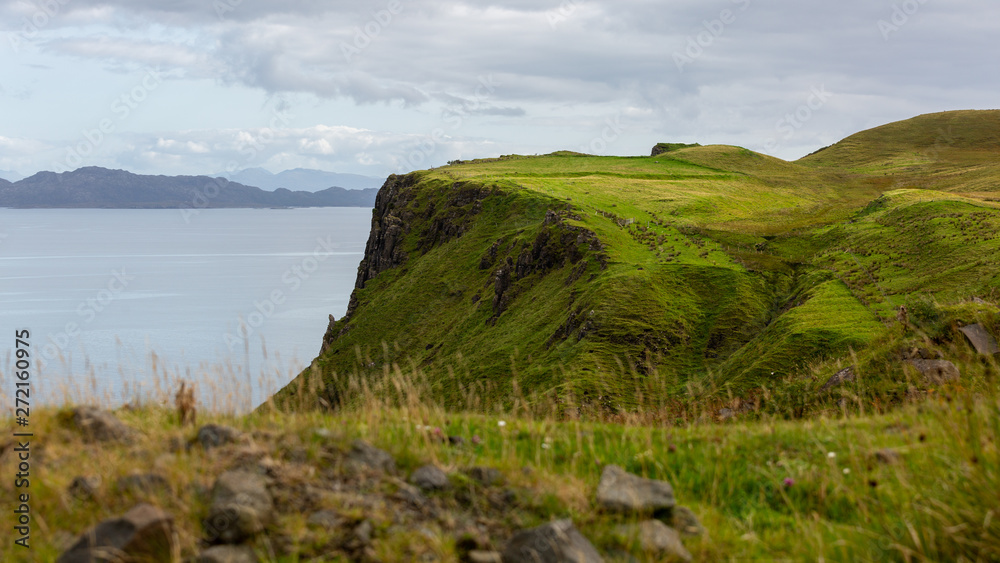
pixel 764 489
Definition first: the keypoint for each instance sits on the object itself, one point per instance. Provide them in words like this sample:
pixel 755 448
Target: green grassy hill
pixel 609 282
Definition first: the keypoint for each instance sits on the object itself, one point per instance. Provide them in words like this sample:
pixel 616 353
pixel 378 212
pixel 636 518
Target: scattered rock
pixel 841 377
pixel 430 478
pixel 215 435
pixel 657 538
pixel 981 340
pixel 684 520
pixel 557 542
pixel 84 488
pixel 363 453
pixel 328 519
pixel 241 507
pixel 409 493
pixel 477 556
pixel 101 426
pixel 144 533
pixel 936 372
pixel 623 492
pixel 143 483
pixel 486 476
pixel 228 554
pixel 888 456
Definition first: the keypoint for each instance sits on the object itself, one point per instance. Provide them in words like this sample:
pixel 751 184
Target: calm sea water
pixel 123 303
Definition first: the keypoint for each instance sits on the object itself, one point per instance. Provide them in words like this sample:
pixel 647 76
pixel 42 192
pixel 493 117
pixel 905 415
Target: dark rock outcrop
pixel 936 372
pixel 144 533
pixel 97 425
pixel 430 478
pixel 841 377
pixel 364 454
pixel 620 491
pixel 241 507
pixel 215 435
pixel 658 539
pixel 981 340
pixel 558 542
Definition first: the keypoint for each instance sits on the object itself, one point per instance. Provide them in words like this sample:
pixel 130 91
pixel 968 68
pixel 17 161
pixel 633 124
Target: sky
pixel 209 86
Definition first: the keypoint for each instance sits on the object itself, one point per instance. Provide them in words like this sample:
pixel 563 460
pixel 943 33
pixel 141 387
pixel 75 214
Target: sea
pixel 122 305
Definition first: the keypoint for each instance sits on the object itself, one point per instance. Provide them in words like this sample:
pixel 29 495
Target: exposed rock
pixel 841 377
pixel 725 414
pixel 936 372
pixel 215 435
pixel 228 554
pixel 84 487
pixel 623 492
pixel 144 533
pixel 325 519
pixel 684 520
pixel 487 476
pixel 657 538
pixel 363 453
pixel 409 493
pixel 97 425
pixel 981 340
pixel 430 478
pixel 556 542
pixel 477 556
pixel 241 507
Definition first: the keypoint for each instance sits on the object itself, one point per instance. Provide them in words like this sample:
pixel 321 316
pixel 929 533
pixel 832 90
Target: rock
pixel 888 456
pixel 477 556
pixel 325 519
pixel 101 426
pixel 144 533
pixel 363 533
pixel 215 435
pixel 981 340
pixel 657 538
pixel 143 483
pixel 684 520
pixel 410 494
pixel 556 542
pixel 84 488
pixel 430 478
pixel 363 453
pixel 623 492
pixel 241 507
pixel 841 377
pixel 936 372
pixel 228 554
pixel 725 414
pixel 486 476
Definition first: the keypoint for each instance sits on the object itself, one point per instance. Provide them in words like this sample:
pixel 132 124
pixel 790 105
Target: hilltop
pixel 709 271
pixel 93 186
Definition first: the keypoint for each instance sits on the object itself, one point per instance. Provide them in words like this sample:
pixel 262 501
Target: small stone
pixel 84 488
pixel 328 519
pixel 556 542
pixel 725 414
pixel 658 538
pixel 486 476
pixel 411 494
pixel 430 478
pixel 97 425
pixel 684 520
pixel 215 435
pixel 144 533
pixel 228 554
pixel 477 556
pixel 620 491
pixel 241 507
pixel 841 377
pixel 363 453
pixel 936 372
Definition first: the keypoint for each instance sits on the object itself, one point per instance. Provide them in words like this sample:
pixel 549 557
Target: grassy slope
pixel 719 267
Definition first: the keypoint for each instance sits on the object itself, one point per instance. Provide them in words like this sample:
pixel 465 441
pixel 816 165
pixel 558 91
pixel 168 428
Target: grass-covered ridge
pixel 581 278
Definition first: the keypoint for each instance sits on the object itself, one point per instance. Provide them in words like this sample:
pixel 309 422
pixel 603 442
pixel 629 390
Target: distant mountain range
pixel 302 179
pixel 100 187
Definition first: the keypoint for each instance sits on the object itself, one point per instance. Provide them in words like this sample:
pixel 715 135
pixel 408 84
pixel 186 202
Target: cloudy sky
pixel 202 86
